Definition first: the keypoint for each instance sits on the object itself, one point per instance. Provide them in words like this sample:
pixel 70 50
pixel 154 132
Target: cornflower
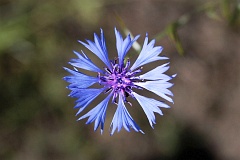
pixel 119 81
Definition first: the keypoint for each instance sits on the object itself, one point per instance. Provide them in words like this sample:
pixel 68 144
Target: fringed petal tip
pixel 65 68
pixel 81 42
pixel 173 76
pixel 164 57
pixel 141 131
pixel 76 53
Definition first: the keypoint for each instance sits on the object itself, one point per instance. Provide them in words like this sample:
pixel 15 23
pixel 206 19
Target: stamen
pixel 127 64
pixel 115 60
pixel 108 90
pixel 114 99
pixel 115 68
pixel 120 80
pixel 129 103
pixel 99 75
pixel 107 70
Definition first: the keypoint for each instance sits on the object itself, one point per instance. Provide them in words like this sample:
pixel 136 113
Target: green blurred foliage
pixel 32 94
pixel 231 11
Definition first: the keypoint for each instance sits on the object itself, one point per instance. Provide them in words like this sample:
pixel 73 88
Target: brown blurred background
pixel 37 119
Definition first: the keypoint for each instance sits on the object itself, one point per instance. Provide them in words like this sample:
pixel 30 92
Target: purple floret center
pixel 120 80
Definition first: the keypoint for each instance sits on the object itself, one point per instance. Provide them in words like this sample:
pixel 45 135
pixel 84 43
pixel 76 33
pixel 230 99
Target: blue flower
pixel 119 81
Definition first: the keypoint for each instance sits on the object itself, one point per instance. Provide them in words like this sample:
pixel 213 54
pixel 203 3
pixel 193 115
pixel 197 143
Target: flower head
pixel 119 81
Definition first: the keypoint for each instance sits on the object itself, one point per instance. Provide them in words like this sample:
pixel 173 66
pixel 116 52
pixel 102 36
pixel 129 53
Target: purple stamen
pixel 120 80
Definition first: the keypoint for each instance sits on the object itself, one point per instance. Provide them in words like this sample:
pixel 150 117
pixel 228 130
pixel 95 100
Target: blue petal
pixel 79 80
pixel 84 62
pixel 85 97
pixel 98 47
pixel 123 118
pixel 123 46
pixel 157 73
pixel 148 54
pixel 158 87
pixel 97 114
pixel 150 106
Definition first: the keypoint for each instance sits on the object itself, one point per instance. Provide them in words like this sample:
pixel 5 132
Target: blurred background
pixel 37 119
